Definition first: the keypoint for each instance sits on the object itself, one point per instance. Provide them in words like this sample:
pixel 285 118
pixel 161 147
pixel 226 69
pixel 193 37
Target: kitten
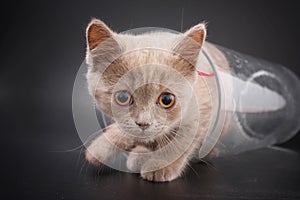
pixel 149 85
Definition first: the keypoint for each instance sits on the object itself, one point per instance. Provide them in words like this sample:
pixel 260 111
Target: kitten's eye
pixel 123 98
pixel 166 100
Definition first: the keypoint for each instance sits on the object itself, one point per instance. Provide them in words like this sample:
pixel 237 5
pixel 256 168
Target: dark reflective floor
pixel 50 172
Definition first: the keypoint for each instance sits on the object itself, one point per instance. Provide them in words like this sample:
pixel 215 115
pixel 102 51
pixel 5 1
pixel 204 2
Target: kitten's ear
pixel 189 47
pixel 102 46
pixel 197 33
pixel 96 33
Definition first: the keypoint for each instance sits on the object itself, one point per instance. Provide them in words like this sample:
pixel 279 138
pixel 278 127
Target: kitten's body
pixel 182 126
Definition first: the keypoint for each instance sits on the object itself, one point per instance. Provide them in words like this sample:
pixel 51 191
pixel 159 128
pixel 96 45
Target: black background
pixel 42 46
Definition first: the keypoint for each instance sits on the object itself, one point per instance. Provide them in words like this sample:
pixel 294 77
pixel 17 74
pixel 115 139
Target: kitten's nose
pixel 143 125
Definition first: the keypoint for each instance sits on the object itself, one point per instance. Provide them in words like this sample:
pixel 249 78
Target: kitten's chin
pixel 146 135
pixel 144 140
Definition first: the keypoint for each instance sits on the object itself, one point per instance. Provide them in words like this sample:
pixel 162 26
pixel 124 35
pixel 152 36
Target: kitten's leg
pixel 170 172
pixel 158 168
pixel 107 145
pixel 137 157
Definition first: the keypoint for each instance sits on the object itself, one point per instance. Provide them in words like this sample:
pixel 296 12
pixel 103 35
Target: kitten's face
pixel 145 93
pixel 152 110
pixel 147 90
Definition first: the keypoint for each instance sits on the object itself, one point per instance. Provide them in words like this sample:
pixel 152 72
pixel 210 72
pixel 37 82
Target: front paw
pixel 99 151
pixel 106 146
pixel 151 171
pixel 137 157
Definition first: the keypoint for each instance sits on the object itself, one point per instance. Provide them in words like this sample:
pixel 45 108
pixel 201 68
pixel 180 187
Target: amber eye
pixel 123 98
pixel 166 100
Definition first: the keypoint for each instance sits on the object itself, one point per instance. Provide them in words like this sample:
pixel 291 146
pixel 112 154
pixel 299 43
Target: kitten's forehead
pixel 147 66
pixel 147 56
pixel 151 79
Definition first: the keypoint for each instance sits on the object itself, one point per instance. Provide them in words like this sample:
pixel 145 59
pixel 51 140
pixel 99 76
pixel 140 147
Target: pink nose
pixel 143 125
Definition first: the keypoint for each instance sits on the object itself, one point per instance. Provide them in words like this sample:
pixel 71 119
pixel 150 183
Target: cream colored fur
pixel 146 66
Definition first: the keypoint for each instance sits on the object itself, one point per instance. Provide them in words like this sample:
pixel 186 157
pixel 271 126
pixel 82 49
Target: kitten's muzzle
pixel 143 125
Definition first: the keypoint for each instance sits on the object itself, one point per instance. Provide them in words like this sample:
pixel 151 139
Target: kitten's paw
pixel 126 145
pixel 167 173
pixel 91 159
pixel 137 157
pixel 105 147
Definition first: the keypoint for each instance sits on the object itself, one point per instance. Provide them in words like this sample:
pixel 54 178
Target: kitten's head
pixel 143 81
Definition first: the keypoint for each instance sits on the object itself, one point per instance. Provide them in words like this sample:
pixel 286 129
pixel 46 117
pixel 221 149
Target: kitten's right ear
pixel 96 33
pixel 102 46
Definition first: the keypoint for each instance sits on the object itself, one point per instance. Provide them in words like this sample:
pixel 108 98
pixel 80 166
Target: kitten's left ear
pixel 189 47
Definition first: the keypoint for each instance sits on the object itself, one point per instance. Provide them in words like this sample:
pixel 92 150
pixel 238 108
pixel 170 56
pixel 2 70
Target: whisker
pixel 78 159
pixel 83 144
pixel 190 166
pixel 208 164
pixel 83 165
pixel 181 25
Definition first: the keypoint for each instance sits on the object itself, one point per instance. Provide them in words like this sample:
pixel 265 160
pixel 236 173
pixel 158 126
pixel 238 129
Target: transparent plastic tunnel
pixel 255 103
pixel 258 102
